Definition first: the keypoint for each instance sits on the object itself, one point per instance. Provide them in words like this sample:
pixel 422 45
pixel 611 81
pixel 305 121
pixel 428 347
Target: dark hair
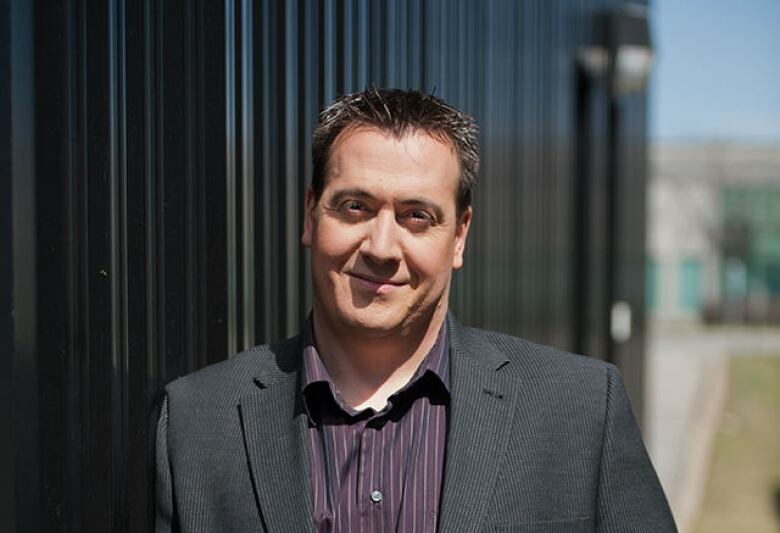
pixel 398 113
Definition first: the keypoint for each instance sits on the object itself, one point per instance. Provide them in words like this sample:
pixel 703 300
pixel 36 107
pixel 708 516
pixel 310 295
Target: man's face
pixel 385 235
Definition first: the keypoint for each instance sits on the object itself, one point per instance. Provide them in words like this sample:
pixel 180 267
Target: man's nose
pixel 382 244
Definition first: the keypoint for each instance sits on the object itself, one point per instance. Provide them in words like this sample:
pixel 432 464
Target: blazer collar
pixel 274 425
pixel 471 344
pixel 481 411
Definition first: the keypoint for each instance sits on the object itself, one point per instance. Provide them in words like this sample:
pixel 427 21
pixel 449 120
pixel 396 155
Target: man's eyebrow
pixel 353 192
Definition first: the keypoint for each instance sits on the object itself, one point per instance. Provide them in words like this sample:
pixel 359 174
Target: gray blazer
pixel 539 441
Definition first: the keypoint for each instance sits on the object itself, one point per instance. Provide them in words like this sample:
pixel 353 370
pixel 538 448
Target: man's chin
pixel 380 319
pixel 373 326
pixel 376 324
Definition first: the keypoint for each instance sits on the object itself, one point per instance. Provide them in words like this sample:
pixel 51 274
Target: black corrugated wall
pixel 157 154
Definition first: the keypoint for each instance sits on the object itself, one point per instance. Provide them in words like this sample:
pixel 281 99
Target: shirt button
pixel 376 496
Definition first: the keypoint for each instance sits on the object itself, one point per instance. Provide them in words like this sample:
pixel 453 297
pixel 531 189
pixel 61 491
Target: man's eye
pixel 419 219
pixel 353 209
pixel 353 206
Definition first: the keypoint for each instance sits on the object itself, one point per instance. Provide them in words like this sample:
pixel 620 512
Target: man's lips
pixel 374 283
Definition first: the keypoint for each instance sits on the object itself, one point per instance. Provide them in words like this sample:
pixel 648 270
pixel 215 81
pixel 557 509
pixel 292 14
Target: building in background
pixel 714 242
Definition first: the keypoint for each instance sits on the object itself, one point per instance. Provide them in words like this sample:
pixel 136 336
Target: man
pixel 385 414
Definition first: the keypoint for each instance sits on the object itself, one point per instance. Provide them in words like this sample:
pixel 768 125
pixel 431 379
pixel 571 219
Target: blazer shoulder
pixel 230 379
pixel 526 358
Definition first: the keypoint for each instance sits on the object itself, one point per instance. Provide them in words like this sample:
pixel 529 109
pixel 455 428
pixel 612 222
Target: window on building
pixel 651 284
pixel 690 283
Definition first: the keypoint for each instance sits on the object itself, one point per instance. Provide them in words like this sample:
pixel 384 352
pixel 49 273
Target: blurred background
pixel 154 157
pixel 713 263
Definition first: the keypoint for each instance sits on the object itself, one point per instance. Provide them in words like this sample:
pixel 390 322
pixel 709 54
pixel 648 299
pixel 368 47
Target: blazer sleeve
pixel 630 497
pixel 164 508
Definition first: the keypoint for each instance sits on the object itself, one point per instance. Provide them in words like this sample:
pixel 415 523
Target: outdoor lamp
pixel 631 52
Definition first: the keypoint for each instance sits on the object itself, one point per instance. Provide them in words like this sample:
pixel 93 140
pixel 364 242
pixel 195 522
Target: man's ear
pixel 308 219
pixel 461 233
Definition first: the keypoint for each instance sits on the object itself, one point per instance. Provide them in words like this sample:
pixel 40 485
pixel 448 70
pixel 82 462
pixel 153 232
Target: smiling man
pixel 385 414
pixel 385 234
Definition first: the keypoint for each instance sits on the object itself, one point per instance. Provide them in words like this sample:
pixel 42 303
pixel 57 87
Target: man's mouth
pixel 374 283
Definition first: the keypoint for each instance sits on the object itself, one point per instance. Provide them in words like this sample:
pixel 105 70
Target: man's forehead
pixel 390 136
pixel 373 153
pixel 416 151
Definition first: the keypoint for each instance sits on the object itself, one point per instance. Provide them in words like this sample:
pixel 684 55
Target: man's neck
pixel 369 368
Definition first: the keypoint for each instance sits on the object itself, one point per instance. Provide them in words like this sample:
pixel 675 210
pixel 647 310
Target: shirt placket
pixel 366 480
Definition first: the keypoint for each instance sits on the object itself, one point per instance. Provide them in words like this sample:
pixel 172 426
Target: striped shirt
pixel 378 471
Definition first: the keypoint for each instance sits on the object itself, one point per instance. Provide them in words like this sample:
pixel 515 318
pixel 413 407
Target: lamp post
pixel 613 68
pixel 630 49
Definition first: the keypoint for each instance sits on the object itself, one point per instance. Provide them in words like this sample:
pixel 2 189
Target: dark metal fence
pixel 158 153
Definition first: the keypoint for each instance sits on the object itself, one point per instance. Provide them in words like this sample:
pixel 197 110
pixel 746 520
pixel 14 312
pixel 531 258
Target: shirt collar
pixel 436 363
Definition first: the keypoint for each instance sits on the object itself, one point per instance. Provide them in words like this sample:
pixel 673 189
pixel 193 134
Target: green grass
pixel 743 491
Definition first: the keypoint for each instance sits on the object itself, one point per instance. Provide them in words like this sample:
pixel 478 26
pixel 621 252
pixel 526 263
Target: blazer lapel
pixel 274 425
pixel 481 411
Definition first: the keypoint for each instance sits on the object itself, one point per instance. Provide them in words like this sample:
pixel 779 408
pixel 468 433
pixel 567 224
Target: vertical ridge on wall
pixel 74 275
pixel 99 440
pixel 148 199
pixel 231 177
pixel 362 56
pixel 7 441
pixel 295 171
pixel 270 197
pixel 141 370
pixel 118 260
pixel 26 427
pixel 328 36
pixel 188 165
pixel 248 289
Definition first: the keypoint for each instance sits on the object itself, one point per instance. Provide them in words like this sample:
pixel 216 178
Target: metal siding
pixel 27 429
pixel 177 150
pixel 7 447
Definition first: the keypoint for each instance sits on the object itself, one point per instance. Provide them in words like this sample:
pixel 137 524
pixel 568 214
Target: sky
pixel 717 70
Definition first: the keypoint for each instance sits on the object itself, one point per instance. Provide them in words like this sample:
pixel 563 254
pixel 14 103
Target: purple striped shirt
pixel 378 471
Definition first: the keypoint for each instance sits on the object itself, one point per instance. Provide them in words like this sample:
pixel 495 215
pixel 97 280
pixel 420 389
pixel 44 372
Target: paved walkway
pixel 687 386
